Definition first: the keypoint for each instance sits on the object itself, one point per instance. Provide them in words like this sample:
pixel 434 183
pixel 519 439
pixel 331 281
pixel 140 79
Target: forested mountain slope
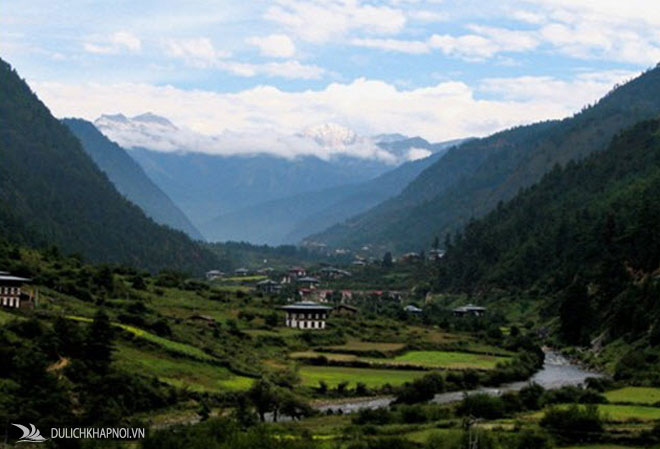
pixel 51 192
pixel 129 178
pixel 473 178
pixel 587 238
pixel 290 219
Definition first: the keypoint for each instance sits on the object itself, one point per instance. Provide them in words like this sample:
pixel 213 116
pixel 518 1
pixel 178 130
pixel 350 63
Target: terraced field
pixel 450 360
pixel 372 378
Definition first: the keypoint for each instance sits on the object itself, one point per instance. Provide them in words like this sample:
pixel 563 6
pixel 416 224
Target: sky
pixel 438 69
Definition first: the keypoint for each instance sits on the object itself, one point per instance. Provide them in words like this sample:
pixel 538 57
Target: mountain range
pixel 263 196
pixel 52 193
pixel 129 178
pixel 473 178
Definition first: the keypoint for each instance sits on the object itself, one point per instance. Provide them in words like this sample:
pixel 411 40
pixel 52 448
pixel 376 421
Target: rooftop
pixel 306 305
pixel 4 276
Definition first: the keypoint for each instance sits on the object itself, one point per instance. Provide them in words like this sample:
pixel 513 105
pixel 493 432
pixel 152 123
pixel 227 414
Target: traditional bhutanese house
pixel 410 257
pixel 307 282
pixel 11 294
pixel 346 295
pixel 268 286
pixel 241 272
pixel 330 273
pixel 436 254
pixel 346 310
pixel 412 309
pixel 297 272
pixel 306 315
pixel 213 275
pixel 469 310
pixel 358 263
pixel 324 295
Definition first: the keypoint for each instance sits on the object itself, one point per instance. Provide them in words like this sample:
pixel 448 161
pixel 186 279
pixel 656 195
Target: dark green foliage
pixel 575 423
pixel 482 405
pixel 51 193
pixel 129 178
pixel 474 178
pixel 422 389
pixel 221 434
pixel 587 234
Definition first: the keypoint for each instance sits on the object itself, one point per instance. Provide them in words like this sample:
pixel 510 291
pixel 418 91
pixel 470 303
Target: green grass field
pixel 634 395
pixel 450 360
pixel 334 375
pixel 620 413
pixel 367 346
pixel 181 373
pixel 328 355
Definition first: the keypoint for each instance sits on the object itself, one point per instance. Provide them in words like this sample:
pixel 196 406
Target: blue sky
pixel 440 69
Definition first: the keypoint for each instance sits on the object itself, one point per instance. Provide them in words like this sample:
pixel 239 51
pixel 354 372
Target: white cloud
pixel 443 111
pixel 197 51
pixel 601 29
pixel 274 45
pixel 415 154
pixel 114 44
pixel 320 21
pixel 485 43
pixel 200 52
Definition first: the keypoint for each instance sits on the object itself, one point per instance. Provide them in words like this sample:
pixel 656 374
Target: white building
pixel 306 315
pixel 10 290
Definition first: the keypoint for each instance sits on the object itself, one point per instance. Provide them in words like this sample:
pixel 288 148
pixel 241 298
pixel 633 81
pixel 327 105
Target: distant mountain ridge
pixel 474 177
pixel 52 193
pixel 289 219
pixel 267 198
pixel 129 178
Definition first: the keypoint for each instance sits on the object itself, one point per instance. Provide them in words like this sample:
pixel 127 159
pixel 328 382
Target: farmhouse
pixel 213 275
pixel 334 273
pixel 241 272
pixel 412 309
pixel 469 310
pixel 10 290
pixel 268 286
pixel 308 282
pixel 306 315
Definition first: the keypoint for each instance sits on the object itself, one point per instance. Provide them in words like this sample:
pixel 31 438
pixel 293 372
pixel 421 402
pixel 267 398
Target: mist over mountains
pixel 270 188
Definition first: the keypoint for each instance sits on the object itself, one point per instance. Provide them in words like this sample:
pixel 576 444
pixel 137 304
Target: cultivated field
pixel 634 395
pixel 372 378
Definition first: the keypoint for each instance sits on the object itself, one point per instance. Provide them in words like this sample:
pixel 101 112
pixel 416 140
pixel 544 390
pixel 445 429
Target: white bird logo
pixel 30 435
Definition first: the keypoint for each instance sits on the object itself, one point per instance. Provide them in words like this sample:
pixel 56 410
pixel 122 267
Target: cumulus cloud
pixel 274 45
pixel 114 44
pixel 201 53
pixel 322 20
pixel 443 111
pixel 483 43
pixel 157 133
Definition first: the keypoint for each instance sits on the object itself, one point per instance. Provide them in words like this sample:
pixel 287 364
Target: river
pixel 557 372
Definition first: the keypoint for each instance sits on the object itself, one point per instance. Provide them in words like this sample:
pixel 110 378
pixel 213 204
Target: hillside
pixel 129 178
pixel 292 218
pixel 52 193
pixel 473 178
pixel 586 238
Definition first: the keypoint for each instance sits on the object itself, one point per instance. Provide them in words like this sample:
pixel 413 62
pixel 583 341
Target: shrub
pixel 575 423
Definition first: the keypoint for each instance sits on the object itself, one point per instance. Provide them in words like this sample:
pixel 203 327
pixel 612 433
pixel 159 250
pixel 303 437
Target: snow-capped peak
pixel 331 135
